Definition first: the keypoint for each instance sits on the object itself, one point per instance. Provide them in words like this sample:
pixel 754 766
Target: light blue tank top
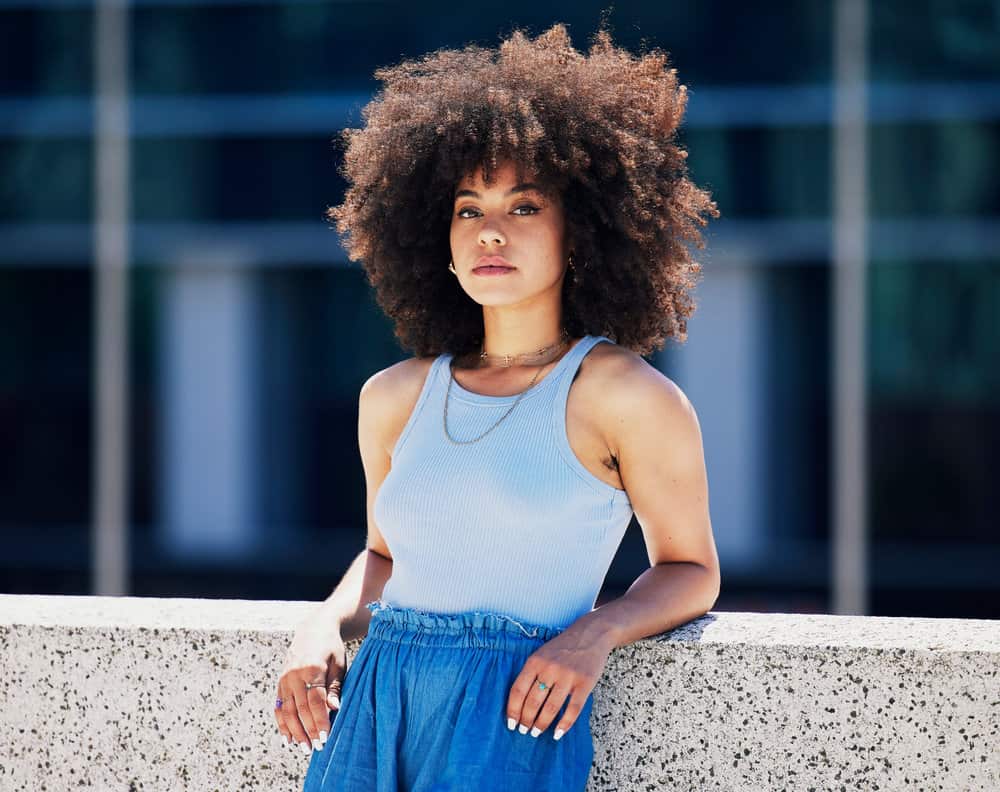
pixel 511 524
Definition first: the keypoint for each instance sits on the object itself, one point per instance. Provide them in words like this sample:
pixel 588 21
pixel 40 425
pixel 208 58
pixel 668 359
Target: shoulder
pixel 389 383
pixel 630 395
pixel 388 396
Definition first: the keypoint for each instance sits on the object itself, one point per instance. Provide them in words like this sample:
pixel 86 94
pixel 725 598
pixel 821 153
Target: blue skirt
pixel 424 709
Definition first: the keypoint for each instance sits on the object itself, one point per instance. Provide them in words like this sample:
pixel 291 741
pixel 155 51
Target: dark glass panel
pixel 755 172
pixel 47 51
pixel 45 401
pixel 934 40
pixel 337 46
pixel 796 344
pixel 219 179
pixel 943 169
pixel 46 180
pixel 935 400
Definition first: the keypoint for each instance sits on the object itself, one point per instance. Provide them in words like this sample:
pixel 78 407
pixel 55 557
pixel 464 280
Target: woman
pixel 505 459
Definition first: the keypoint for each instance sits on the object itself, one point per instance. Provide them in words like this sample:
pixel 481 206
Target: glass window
pixel 759 172
pixel 935 400
pixel 934 40
pixel 221 179
pixel 45 427
pixel 47 51
pixel 944 169
pixel 45 180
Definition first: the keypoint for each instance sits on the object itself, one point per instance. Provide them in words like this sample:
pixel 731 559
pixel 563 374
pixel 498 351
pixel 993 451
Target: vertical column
pixel 207 448
pixel 109 530
pixel 850 252
pixel 719 368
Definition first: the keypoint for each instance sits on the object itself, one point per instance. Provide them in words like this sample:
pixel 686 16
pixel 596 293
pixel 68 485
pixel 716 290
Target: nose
pixel 491 235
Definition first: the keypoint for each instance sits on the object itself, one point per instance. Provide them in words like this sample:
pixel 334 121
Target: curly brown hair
pixel 599 129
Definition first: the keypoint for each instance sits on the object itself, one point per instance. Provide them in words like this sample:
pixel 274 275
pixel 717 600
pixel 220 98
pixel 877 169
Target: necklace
pixel 527 359
pixel 563 338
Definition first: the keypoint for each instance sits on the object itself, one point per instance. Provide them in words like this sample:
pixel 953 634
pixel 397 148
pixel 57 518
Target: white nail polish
pixel 322 737
pixel 305 748
pixel 523 729
pixel 559 733
pixel 316 745
pixel 535 732
pixel 511 723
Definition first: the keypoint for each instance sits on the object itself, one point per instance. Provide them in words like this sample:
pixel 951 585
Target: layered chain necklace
pixel 538 358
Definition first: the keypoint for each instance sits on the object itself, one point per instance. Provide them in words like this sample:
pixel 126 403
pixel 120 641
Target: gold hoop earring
pixel 451 267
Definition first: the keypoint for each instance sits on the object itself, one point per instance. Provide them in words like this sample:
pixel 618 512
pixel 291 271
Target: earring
pixel 451 267
pixel 571 262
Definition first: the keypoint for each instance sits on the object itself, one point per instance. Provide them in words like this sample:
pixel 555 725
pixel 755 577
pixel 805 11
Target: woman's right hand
pixel 316 654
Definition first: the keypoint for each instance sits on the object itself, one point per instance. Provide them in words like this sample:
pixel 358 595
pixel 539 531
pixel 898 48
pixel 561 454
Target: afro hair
pixel 599 129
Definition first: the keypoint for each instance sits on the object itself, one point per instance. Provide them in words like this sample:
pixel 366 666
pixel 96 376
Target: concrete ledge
pixel 132 693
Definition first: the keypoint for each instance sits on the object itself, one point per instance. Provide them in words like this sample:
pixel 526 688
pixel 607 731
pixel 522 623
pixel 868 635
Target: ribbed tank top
pixel 511 524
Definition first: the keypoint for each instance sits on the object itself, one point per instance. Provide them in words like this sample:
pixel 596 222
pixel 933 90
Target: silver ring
pixel 315 684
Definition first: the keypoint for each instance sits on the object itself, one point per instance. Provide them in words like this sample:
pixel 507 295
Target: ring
pixel 542 686
pixel 315 684
pixel 277 704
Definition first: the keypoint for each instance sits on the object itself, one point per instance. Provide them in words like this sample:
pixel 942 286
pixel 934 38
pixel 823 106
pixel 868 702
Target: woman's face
pixel 520 226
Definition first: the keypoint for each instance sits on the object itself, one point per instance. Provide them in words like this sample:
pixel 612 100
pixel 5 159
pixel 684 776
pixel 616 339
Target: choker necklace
pixel 536 358
pixel 558 346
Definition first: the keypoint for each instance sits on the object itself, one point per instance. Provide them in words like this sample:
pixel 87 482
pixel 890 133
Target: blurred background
pixel 182 339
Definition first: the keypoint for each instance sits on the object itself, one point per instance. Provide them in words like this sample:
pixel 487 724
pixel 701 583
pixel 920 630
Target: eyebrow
pixel 526 187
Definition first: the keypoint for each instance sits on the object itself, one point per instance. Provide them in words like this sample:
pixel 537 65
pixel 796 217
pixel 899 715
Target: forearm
pixel 661 598
pixel 363 582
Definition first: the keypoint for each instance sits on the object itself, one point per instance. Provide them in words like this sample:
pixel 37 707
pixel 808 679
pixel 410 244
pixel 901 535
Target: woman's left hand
pixel 570 666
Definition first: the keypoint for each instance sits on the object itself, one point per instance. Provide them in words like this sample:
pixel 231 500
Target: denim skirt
pixel 424 709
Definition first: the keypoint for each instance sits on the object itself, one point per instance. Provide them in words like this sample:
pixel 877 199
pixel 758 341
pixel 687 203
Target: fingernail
pixel 322 737
pixel 316 745
pixel 523 729
pixel 305 748
pixel 559 733
pixel 535 732
pixel 511 723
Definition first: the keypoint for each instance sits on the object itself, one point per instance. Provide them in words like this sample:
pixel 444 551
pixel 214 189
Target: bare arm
pixel 658 442
pixel 363 582
pixel 378 418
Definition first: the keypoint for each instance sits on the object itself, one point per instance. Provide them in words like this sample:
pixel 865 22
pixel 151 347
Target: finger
pixel 533 704
pixel 291 717
pixel 573 710
pixel 316 697
pixel 550 709
pixel 280 718
pixel 518 693
pixel 333 689
pixel 303 708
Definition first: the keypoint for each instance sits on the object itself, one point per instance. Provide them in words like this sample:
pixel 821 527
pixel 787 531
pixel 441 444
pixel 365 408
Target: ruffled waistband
pixel 467 629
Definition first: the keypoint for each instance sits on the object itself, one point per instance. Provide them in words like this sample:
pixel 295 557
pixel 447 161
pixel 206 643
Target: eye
pixel 531 210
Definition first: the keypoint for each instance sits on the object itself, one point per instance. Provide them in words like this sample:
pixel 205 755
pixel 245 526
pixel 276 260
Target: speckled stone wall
pixel 129 694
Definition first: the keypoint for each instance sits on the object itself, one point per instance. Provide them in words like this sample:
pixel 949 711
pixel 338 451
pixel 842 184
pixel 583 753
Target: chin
pixel 497 300
pixel 500 294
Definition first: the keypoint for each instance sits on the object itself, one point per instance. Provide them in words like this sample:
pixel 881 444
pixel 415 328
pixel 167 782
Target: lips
pixel 492 261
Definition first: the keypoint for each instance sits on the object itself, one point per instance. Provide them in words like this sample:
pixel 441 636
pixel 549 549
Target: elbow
pixel 713 586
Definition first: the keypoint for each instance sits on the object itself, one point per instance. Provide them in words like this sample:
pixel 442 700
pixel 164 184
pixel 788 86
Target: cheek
pixel 554 250
pixel 457 230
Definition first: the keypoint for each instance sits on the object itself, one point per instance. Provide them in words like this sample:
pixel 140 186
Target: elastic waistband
pixel 467 629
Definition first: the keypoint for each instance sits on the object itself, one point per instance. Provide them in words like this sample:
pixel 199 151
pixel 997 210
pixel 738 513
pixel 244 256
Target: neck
pixel 519 334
